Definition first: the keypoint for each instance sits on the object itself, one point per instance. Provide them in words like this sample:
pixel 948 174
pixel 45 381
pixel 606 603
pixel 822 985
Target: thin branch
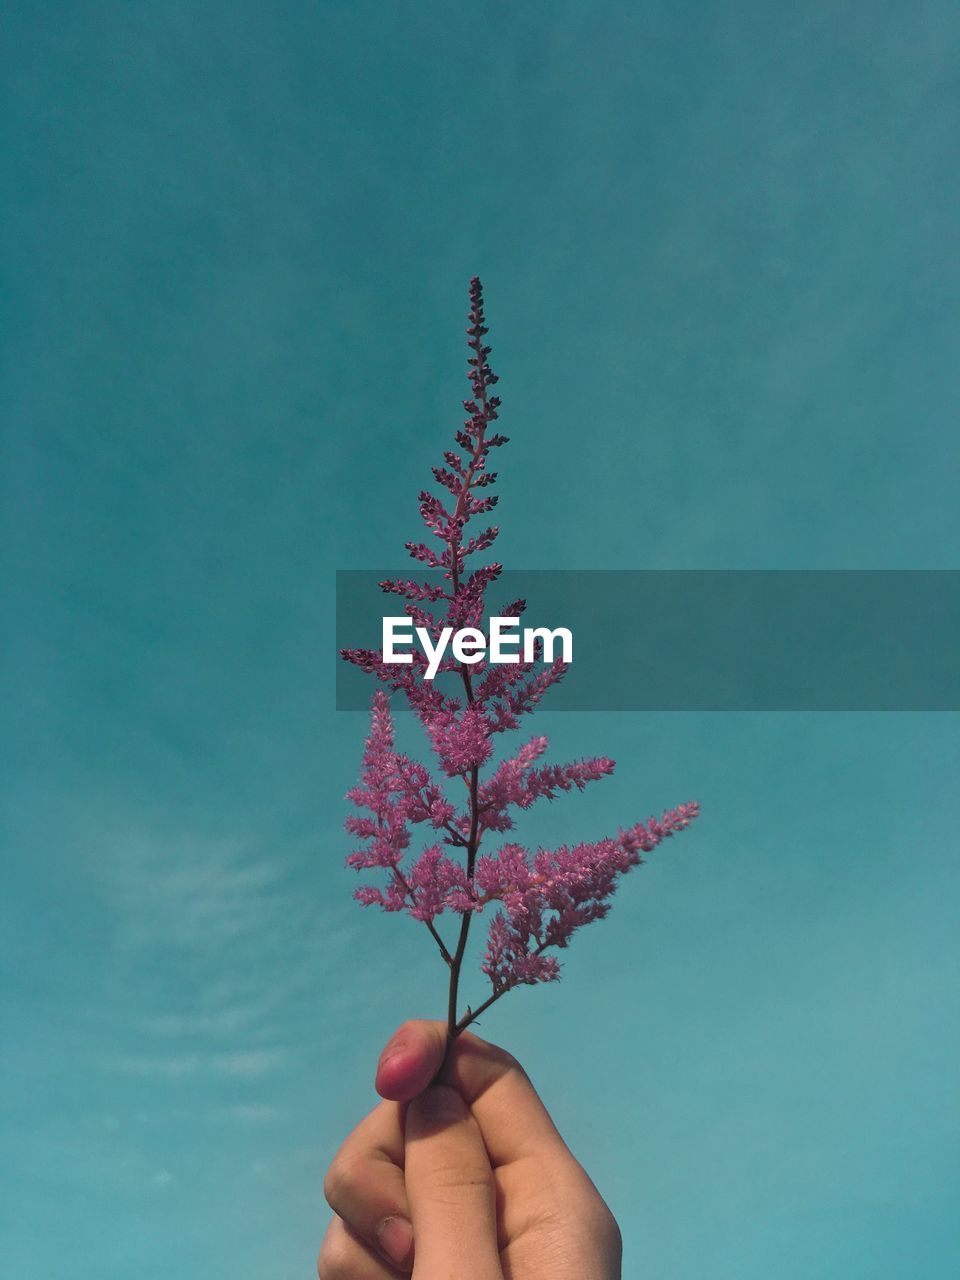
pixel 472 1014
pixel 408 887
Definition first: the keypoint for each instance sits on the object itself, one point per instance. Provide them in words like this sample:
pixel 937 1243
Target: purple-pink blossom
pixel 537 899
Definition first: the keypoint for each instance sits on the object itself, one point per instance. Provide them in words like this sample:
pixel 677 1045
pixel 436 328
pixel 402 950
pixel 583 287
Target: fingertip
pixel 402 1077
pixel 410 1060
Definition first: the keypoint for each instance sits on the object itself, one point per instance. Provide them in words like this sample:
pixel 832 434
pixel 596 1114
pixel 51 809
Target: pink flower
pixel 382 792
pixel 539 899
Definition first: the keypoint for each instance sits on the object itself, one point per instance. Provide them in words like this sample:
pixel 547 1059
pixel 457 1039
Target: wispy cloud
pixel 241 1064
pixel 199 922
pixel 204 1022
pixel 251 1064
pixel 247 1113
pixel 190 893
pixel 216 948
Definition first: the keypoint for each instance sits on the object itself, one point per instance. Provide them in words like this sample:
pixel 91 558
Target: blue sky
pixel 720 250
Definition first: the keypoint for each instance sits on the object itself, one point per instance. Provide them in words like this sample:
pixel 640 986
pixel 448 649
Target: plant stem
pixel 457 961
pixel 472 1014
pixel 473 840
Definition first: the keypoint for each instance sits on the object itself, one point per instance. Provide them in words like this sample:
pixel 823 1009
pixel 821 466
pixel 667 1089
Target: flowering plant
pixel 542 898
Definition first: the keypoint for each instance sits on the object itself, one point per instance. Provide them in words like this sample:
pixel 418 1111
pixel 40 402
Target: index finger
pixel 514 1122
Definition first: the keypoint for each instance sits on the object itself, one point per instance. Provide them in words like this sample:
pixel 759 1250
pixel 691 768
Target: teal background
pixel 720 249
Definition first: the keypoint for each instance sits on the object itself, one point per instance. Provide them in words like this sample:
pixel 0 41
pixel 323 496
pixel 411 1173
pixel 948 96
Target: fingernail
pixel 390 1050
pixel 395 1238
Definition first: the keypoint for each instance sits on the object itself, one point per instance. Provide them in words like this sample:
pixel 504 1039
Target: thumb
pixel 451 1190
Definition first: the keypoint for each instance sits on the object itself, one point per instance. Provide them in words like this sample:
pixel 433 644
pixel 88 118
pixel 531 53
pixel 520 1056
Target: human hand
pixel 471 1169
